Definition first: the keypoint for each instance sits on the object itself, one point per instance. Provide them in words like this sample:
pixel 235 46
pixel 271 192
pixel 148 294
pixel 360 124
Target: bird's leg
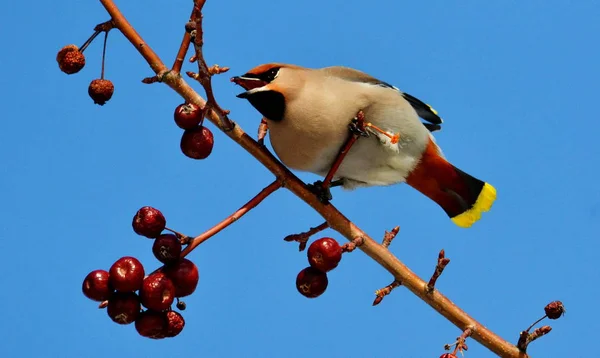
pixel 321 188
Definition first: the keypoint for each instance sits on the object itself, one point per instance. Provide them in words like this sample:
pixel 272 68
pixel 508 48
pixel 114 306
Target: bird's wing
pixel 423 110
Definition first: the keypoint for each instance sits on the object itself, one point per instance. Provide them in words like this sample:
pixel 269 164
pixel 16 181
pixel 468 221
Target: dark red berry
pixel 167 248
pixel 151 324
pixel 197 143
pixel 149 222
pixel 175 323
pixel 96 286
pixel 181 305
pixel 127 274
pixel 324 254
pixel 554 310
pixel 447 355
pixel 101 90
pixel 188 116
pixel 184 275
pixel 158 292
pixel 311 282
pixel 123 307
pixel 70 60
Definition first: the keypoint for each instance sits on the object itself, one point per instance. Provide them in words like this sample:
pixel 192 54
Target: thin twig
pixel 334 218
pixel 525 338
pixel 233 217
pixel 382 292
pixel 303 237
pixel 389 236
pixel 439 268
pixel 183 48
pixel 263 128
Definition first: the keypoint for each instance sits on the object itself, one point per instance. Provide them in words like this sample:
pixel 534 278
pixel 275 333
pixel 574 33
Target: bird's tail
pixel 462 196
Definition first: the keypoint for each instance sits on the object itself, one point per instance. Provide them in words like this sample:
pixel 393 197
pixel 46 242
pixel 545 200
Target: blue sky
pixel 516 82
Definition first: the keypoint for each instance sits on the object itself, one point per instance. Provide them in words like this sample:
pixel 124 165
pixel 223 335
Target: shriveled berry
pixel 184 275
pixel 101 90
pixel 158 292
pixel 70 60
pixel 149 222
pixel 447 355
pixel 167 248
pixel 188 116
pixel 197 143
pixel 311 282
pixel 324 254
pixel 554 310
pixel 151 324
pixel 175 323
pixel 96 286
pixel 123 307
pixel 127 274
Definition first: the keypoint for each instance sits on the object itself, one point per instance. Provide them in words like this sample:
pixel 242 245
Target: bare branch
pixel 439 268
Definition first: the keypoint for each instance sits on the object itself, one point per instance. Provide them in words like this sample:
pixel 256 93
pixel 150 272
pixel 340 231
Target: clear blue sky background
pixel 516 81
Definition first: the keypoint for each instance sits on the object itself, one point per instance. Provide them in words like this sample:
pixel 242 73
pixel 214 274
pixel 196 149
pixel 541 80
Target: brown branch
pixel 334 218
pixel 232 218
pixel 382 292
pixel 183 48
pixel 389 236
pixel 303 237
pixel 439 268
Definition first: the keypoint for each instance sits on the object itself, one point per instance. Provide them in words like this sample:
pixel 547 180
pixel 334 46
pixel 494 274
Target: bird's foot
pixel 357 125
pixel 322 192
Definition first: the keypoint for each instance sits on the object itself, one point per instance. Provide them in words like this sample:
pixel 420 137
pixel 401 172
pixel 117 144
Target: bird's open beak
pixel 248 83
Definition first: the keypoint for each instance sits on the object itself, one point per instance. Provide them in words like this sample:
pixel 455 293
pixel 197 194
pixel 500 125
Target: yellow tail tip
pixel 482 204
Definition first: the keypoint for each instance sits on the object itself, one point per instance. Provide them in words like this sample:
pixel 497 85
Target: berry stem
pixel 103 54
pixel 233 217
pixel 89 41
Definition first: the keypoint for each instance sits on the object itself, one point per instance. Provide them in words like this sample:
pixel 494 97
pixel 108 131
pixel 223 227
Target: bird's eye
pixel 270 75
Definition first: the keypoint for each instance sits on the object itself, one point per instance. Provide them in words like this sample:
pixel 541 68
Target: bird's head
pixel 268 87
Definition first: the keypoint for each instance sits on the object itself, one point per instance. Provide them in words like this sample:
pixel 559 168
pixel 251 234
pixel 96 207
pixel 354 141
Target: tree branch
pixel 334 218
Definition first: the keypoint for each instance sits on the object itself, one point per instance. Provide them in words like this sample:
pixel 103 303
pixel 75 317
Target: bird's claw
pixel 357 127
pixel 322 193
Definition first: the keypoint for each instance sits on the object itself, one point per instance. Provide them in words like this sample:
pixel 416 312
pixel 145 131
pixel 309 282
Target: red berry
pixel 96 286
pixel 311 282
pixel 188 116
pixel 197 143
pixel 184 275
pixel 447 355
pixel 123 307
pixel 324 254
pixel 167 248
pixel 554 310
pixel 151 324
pixel 158 292
pixel 127 274
pixel 101 90
pixel 70 60
pixel 175 323
pixel 149 222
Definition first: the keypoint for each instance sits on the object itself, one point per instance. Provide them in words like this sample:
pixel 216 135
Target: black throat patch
pixel 270 104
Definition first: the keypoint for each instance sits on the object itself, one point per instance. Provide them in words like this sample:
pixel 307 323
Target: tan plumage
pixel 308 112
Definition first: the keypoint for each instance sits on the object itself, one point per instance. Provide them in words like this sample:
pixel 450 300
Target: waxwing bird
pixel 308 112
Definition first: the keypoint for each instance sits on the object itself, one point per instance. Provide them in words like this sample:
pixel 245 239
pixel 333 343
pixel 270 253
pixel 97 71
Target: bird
pixel 309 112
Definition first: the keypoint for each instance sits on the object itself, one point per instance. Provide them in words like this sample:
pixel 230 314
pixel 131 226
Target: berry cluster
pixel 124 288
pixel 323 256
pixel 71 60
pixel 197 141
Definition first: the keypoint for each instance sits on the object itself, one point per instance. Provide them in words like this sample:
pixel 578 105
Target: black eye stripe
pixel 269 75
